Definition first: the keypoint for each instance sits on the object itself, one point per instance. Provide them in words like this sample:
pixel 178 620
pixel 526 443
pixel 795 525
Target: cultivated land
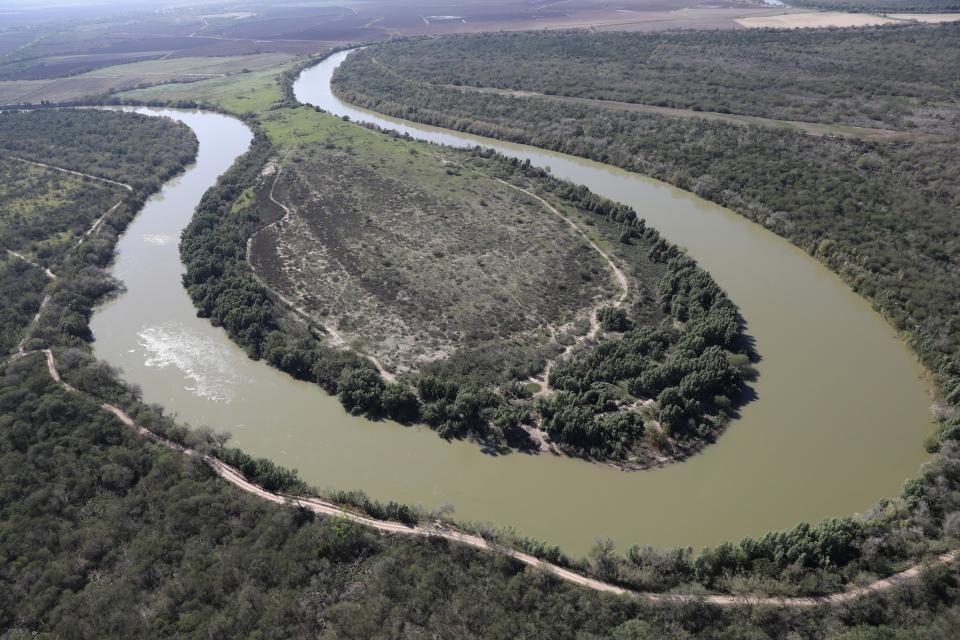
pixel 61 54
pixel 130 76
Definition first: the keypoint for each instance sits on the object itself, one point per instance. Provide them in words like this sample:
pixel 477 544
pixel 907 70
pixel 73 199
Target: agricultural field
pixel 135 75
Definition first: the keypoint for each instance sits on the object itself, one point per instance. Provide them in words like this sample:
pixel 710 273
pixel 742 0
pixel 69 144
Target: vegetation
pixel 105 535
pixel 889 76
pixel 46 212
pixel 138 150
pixel 882 214
pixel 467 363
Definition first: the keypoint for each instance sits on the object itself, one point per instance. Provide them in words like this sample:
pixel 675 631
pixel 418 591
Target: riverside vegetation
pixel 46 211
pixel 106 535
pixel 678 343
pixel 880 213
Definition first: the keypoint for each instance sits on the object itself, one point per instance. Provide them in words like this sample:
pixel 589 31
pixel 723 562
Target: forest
pixel 103 534
pixel 881 214
pixel 138 150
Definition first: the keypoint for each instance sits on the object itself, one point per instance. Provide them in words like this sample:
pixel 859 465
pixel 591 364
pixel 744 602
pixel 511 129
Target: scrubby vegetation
pixel 474 387
pixel 882 214
pixel 105 535
pixel 891 6
pixel 138 150
pixel 128 539
pixel 44 213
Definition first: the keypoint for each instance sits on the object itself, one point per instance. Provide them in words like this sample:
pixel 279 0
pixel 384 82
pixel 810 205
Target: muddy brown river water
pixel 840 414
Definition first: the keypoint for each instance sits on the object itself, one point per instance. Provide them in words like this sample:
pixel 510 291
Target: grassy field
pixel 254 92
pixel 137 74
pixel 413 256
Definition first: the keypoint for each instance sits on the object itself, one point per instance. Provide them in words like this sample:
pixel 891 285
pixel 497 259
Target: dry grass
pixel 414 256
pixel 813 20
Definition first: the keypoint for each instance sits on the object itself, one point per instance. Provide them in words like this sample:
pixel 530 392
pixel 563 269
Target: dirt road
pixel 70 171
pixel 323 507
pixel 620 276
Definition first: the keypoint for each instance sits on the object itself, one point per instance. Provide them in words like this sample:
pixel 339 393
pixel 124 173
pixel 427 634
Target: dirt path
pixel 818 129
pixel 49 274
pixel 70 171
pixel 335 336
pixel 94 228
pixel 594 321
pixel 323 507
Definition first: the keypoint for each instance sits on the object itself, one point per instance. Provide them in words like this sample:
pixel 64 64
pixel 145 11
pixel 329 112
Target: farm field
pixel 139 74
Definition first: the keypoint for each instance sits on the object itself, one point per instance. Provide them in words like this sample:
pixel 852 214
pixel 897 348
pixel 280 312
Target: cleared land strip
pixel 323 507
pixel 335 335
pixel 70 171
pixel 811 128
pixel 94 228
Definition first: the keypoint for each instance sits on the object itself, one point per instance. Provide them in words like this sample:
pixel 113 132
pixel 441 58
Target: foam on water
pixel 204 362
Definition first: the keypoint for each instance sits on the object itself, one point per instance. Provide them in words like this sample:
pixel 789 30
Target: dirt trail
pixel 70 171
pixel 49 274
pixel 335 336
pixel 94 228
pixel 594 321
pixel 818 129
pixel 440 530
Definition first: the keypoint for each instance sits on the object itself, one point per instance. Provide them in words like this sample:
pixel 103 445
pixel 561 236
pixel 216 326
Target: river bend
pixel 840 414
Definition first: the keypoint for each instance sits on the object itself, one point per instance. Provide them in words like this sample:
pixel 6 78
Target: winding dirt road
pixel 72 172
pixel 323 507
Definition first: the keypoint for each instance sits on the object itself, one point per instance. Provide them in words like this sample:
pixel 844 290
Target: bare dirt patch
pixel 813 20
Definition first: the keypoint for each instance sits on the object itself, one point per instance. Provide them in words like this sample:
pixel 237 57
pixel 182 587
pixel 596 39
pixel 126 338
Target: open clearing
pixel 412 257
pixel 134 75
pixel 813 20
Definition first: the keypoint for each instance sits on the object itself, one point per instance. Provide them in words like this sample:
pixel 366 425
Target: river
pixel 839 419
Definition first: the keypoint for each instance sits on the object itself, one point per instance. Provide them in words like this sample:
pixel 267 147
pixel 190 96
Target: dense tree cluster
pixel 139 150
pixel 888 76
